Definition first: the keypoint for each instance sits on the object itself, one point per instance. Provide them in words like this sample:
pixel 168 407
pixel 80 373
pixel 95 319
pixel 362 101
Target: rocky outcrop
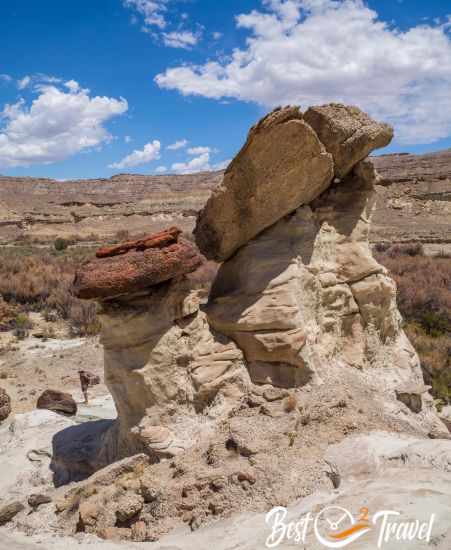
pixel 57 401
pixel 282 165
pixel 134 267
pixel 308 290
pixel 347 133
pixel 163 365
pixel 5 405
pixel 228 396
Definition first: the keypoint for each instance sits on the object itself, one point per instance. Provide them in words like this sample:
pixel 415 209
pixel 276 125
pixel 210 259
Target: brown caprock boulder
pixel 288 160
pixel 348 133
pixel 281 166
pixel 134 266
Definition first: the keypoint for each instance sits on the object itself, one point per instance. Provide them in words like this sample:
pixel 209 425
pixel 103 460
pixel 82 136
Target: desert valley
pixel 273 370
pixel 225 275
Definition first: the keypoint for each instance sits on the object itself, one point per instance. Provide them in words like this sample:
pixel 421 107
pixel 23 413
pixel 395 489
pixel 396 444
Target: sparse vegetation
pixel 22 325
pixel 33 279
pixel 424 299
pixel 61 244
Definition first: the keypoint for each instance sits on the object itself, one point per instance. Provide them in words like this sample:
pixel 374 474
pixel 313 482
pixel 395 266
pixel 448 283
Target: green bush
pixel 60 244
pixel 22 325
pixel 434 323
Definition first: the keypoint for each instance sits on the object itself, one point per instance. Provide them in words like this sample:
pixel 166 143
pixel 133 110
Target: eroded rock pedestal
pixel 233 397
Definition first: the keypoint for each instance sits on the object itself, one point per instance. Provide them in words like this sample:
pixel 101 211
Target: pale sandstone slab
pixel 282 166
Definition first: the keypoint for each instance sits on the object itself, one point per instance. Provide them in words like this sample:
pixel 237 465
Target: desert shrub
pixel 22 325
pixel 8 313
pixel 424 300
pixel 435 356
pixel 37 280
pixel 60 244
pixel 424 289
pixel 49 315
pixel 83 319
pixel 61 301
pixel 407 249
pixel 381 247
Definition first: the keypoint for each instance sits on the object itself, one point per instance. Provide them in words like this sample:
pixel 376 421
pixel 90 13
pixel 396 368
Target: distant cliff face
pixel 415 198
pixel 43 209
pixel 414 203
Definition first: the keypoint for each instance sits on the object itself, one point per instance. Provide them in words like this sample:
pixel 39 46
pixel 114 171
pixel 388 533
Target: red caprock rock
pixel 136 265
pixel 159 240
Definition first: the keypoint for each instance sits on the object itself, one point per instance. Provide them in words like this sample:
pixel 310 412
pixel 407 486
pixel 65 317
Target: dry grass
pixel 424 299
pixel 424 287
pixel 435 354
pixel 39 280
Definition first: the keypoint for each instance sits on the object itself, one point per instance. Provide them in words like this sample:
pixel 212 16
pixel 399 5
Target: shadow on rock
pixel 78 451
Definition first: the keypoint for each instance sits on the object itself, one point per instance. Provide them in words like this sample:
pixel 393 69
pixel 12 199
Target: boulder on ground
pixel 37 499
pixel 9 511
pixel 348 134
pixel 5 405
pixel 411 396
pixel 57 401
pixel 281 166
pixel 128 270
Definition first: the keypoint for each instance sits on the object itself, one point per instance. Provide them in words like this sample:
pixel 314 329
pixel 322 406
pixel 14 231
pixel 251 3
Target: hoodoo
pixel 228 399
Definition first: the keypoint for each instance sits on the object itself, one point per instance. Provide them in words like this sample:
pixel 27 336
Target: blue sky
pixel 92 88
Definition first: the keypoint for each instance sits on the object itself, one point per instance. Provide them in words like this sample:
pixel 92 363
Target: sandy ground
pixel 390 472
pixel 30 366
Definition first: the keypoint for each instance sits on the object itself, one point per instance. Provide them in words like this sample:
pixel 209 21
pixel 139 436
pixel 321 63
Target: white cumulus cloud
pixel 180 39
pixel 161 169
pixel 200 163
pixel 56 125
pixel 24 82
pixel 180 144
pixel 317 51
pixel 153 11
pixel 150 152
pixel 199 150
pixel 158 23
pixel 196 164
